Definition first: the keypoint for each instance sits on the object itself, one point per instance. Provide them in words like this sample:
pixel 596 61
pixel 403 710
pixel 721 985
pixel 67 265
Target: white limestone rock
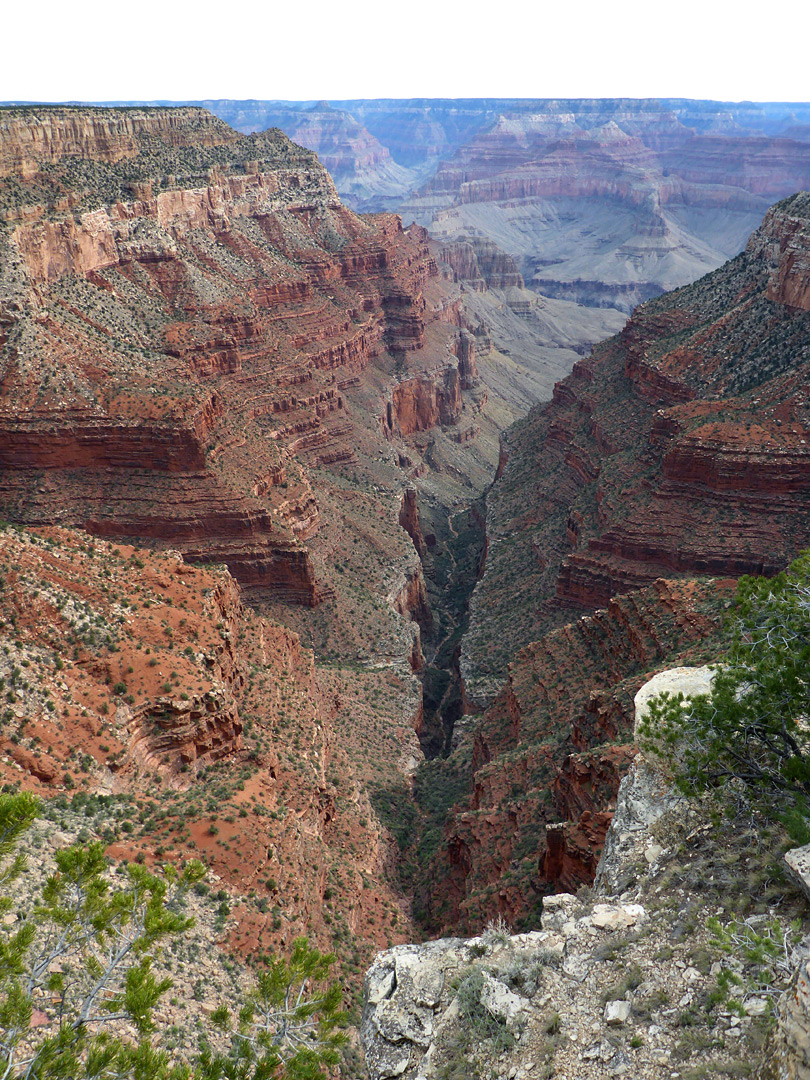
pixel 617 1013
pixel 797 862
pixel 617 916
pixel 689 681
pixel 558 910
pixel 499 1001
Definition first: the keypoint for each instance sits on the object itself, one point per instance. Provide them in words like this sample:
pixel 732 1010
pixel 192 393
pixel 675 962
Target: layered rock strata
pixel 549 754
pixel 611 202
pixel 679 446
pixel 185 311
pixel 180 724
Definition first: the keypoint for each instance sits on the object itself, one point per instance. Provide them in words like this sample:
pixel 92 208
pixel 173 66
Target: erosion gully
pixel 455 541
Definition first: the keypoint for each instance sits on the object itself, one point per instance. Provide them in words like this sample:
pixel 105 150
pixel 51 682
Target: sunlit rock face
pixel 184 311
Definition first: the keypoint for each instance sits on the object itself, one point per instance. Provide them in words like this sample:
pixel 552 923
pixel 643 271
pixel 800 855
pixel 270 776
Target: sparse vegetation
pixel 751 730
pixel 79 964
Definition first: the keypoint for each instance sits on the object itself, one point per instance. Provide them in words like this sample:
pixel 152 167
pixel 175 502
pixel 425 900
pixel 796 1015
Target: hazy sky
pixel 162 49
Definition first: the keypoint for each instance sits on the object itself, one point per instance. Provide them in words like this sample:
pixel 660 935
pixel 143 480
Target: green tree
pixel 79 965
pixel 82 960
pixel 290 1022
pixel 754 727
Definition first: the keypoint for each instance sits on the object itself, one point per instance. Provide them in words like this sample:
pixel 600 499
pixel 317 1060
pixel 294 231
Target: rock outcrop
pixel 425 401
pixel 791 1048
pixel 647 793
pixel 481 264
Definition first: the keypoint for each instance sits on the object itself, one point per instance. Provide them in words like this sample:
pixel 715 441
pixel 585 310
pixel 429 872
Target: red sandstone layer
pixel 174 364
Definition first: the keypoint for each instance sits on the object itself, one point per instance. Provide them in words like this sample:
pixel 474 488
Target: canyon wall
pixel 672 460
pixel 548 754
pixel 144 688
pixel 679 446
pixel 186 314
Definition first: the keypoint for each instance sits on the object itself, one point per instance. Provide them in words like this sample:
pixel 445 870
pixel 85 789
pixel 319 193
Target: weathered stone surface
pixel 402 989
pixel 797 862
pixel 499 1001
pixel 617 916
pixel 617 1013
pixel 687 682
pixel 792 1038
pixel 647 793
pixel 558 909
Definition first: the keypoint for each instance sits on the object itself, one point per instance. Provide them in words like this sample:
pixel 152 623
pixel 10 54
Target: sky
pixel 87 50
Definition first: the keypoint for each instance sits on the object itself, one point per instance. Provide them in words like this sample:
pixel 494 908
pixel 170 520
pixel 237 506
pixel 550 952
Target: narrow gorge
pixel 336 551
pixel 209 361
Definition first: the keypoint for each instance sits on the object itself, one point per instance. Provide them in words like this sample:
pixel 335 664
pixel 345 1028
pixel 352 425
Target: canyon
pixel 208 361
pixel 670 462
pixel 217 384
pixel 255 569
pixel 607 202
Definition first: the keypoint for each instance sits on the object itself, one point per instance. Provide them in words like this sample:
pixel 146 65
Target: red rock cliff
pixel 680 446
pixel 550 751
pixel 184 310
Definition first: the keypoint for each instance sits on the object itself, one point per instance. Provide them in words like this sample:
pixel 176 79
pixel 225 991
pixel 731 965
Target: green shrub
pixel 751 731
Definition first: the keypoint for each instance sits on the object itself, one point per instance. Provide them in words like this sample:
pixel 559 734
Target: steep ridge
pixel 679 446
pixel 185 317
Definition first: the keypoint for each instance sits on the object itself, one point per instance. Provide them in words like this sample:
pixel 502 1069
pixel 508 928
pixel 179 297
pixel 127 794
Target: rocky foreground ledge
pixel 687 959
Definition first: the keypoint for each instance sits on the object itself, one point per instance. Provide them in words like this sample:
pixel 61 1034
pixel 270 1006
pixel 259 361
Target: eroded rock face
pixel 423 402
pixel 791 1050
pixel 410 1007
pixel 186 312
pixel 783 244
pixel 30 137
pixel 546 179
pixel 554 998
pixel 481 264
pixel 679 447
pixel 550 752
pixel 134 716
